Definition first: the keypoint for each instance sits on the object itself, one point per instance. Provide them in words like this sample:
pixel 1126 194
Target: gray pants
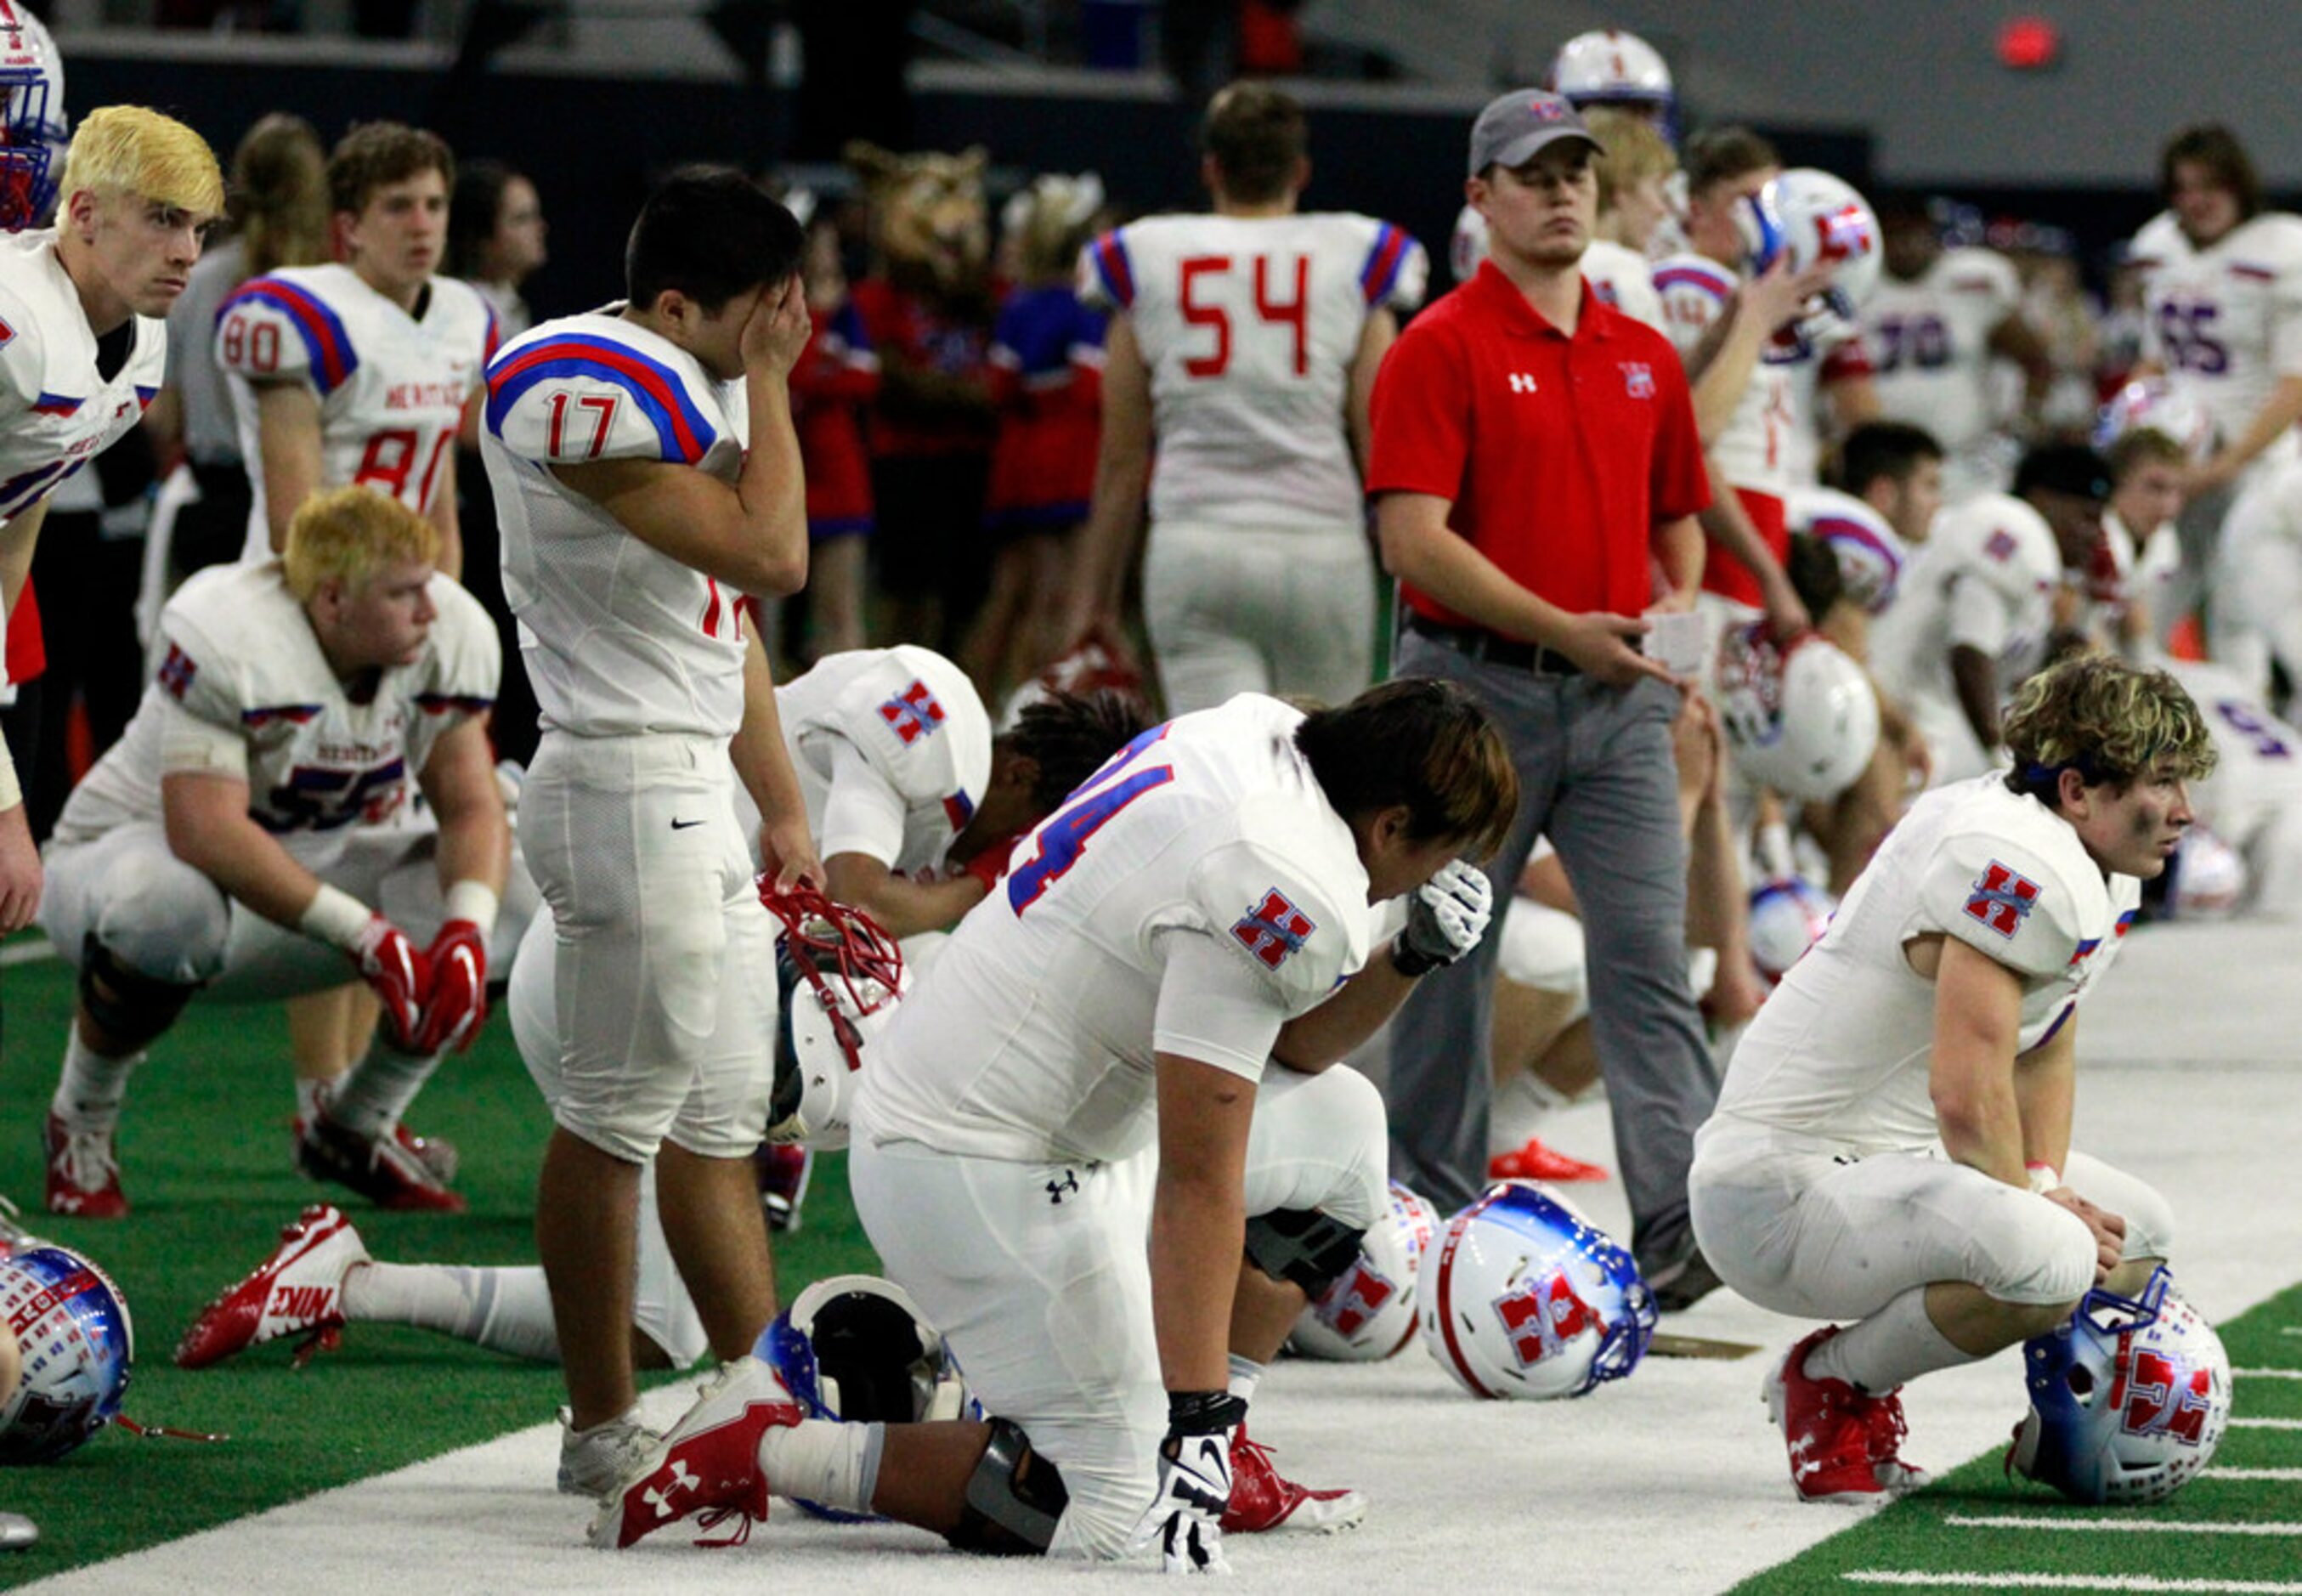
pixel 1596 776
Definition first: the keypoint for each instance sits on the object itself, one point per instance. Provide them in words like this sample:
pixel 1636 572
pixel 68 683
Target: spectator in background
pixel 279 218
pixel 495 242
pixel 1535 459
pixel 832 389
pixel 495 238
pixel 1047 380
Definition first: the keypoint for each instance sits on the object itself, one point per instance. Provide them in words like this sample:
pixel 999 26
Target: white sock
pixel 1897 1343
pixel 1245 1372
pixel 505 1310
pixel 376 1091
pixel 308 1095
pixel 824 1461
pixel 92 1086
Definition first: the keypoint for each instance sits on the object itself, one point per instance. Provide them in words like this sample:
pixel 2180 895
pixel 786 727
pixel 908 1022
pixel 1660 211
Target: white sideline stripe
pixel 2268 1373
pixel 2247 1473
pixel 2266 1424
pixel 27 952
pixel 2016 1521
pixel 2291 1330
pixel 1995 1581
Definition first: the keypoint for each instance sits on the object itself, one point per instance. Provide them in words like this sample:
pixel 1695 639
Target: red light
pixel 2029 44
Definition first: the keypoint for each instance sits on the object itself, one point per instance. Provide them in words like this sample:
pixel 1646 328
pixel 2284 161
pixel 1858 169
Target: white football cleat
pixel 592 1462
pixel 298 1291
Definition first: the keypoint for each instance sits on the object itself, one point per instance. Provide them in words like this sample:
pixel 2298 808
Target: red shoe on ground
pixel 1827 1426
pixel 298 1291
pixel 708 1463
pixel 1539 1160
pixel 1263 1499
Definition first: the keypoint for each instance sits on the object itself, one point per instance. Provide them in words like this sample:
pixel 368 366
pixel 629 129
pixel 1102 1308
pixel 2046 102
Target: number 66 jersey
pixel 391 385
pixel 244 692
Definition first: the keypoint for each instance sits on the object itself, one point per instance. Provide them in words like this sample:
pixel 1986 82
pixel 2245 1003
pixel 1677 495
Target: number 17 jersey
pixel 1248 326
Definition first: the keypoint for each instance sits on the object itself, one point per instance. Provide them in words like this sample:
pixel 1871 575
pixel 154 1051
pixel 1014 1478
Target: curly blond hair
pixel 2108 720
pixel 347 534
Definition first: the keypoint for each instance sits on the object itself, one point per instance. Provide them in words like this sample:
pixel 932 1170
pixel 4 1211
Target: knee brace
pixel 1014 1498
pixel 125 1001
pixel 1302 1247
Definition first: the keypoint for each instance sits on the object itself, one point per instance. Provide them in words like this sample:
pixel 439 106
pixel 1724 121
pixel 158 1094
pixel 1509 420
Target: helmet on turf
pixel 1609 67
pixel 1817 219
pixel 1527 1299
pixel 1788 916
pixel 838 976
pixel 856 1348
pixel 33 128
pixel 2208 878
pixel 2128 1397
pixel 1368 1312
pixel 78 1343
pixel 1803 720
pixel 2155 403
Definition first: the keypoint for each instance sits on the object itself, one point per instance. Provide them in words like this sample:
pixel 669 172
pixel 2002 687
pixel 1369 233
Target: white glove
pixel 1445 919
pixel 1186 1518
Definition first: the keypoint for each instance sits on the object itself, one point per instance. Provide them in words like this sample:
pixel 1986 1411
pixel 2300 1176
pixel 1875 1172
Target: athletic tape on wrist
pixel 474 900
pixel 336 918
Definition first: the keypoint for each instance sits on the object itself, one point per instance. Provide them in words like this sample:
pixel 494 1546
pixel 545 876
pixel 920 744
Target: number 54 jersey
pixel 1248 326
pixel 1033 1037
pixel 244 692
pixel 391 385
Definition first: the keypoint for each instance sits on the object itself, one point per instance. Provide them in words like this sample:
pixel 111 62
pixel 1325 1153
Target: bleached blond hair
pixel 348 534
pixel 127 150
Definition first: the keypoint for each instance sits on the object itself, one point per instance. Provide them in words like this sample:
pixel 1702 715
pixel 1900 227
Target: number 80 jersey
pixel 1248 326
pixel 391 385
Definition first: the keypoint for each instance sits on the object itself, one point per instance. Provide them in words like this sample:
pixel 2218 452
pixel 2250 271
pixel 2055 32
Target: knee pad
pixel 1014 1498
pixel 1302 1247
pixel 125 1001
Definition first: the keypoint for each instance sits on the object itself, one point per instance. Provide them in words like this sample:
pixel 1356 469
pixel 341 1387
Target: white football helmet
pixel 1369 1312
pixel 1788 916
pixel 2129 1399
pixel 1803 721
pixel 1871 557
pixel 2209 877
pixel 1609 67
pixel 1815 218
pixel 33 127
pixel 1525 1298
pixel 79 1345
pixel 2157 404
pixel 839 977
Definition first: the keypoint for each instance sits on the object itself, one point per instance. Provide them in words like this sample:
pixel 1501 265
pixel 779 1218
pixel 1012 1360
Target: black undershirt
pixel 113 348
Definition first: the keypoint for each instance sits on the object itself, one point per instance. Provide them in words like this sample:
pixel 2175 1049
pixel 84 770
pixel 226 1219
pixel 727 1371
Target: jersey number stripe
pixel 602 406
pixel 1063 837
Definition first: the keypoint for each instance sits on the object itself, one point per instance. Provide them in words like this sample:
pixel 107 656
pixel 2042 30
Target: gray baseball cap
pixel 1516 124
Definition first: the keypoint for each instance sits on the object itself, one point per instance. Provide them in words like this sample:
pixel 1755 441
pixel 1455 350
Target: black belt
pixel 1477 643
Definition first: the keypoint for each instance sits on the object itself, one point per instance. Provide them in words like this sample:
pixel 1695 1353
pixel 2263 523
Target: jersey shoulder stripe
pixel 1714 281
pixel 662 398
pixel 440 703
pixel 334 359
pixel 57 403
pixel 1381 272
pixel 264 714
pixel 1112 265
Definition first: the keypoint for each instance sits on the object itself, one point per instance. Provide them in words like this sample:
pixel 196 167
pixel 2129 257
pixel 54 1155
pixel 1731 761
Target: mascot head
pixel 929 227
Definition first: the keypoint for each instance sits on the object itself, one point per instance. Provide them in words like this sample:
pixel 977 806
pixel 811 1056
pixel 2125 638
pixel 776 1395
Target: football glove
pixel 1185 1521
pixel 400 976
pixel 459 959
pixel 1445 919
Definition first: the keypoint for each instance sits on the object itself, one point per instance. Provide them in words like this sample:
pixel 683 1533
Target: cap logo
pixel 1546 109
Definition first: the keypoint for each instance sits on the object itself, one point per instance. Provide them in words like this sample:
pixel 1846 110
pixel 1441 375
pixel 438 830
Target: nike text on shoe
pixel 297 1291
pixel 708 1463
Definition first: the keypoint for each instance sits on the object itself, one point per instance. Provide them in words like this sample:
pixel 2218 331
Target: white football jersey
pixel 2257 779
pixel 2225 321
pixel 391 386
pixel 1695 290
pixel 60 412
pixel 238 660
pixel 923 740
pixel 1624 279
pixel 618 638
pixel 1871 556
pixel 1929 344
pixel 1984 579
pixel 1248 326
pixel 1033 1037
pixel 1841 1050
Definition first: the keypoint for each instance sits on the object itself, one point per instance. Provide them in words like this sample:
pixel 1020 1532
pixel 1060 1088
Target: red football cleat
pixel 708 1463
pixel 1263 1499
pixel 298 1291
pixel 1886 1427
pixel 1826 1425
pixel 381 1169
pixel 1539 1160
pixel 83 1175
pixel 783 1170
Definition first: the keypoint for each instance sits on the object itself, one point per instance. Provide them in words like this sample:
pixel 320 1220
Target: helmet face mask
pixel 33 128
pixel 79 1345
pixel 2129 1399
pixel 839 976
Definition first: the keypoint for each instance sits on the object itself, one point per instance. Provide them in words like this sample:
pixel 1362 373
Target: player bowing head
pixel 709 257
pixel 138 191
pixel 361 565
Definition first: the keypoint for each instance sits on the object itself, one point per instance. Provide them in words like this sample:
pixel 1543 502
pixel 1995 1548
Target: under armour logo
pixel 1522 383
pixel 1057 1191
pixel 683 1478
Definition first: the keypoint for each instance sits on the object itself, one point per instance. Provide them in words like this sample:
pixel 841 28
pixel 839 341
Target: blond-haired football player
pixel 247 837
pixel 82 343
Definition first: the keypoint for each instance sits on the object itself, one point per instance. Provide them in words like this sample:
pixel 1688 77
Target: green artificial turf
pixel 204 1160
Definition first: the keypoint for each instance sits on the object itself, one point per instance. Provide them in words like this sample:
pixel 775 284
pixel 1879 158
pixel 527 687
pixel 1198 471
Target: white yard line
pixel 2268 1373
pixel 2249 1473
pixel 2069 1582
pixel 2154 1526
pixel 2266 1424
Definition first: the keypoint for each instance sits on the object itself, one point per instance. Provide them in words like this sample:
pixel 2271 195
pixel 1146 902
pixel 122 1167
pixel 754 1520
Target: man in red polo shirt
pixel 1535 463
